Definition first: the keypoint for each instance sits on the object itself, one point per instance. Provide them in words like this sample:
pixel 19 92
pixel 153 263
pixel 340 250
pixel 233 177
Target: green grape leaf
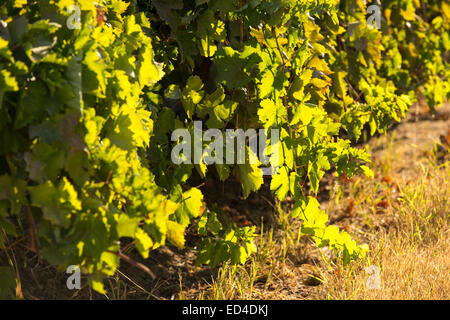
pixel 175 234
pixel 8 281
pixel 190 204
pixel 251 178
pixel 143 242
pixel 280 183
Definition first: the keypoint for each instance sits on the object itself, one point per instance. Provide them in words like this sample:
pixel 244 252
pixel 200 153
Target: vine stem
pixel 132 243
pixel 284 97
pixel 19 293
pixel 279 49
pixel 33 234
pixel 282 59
pixel 133 263
pixel 13 244
pixel 241 28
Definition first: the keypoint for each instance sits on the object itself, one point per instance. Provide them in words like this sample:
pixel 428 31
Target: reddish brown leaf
pixel 350 205
pixel 386 179
pixel 382 204
pixel 101 18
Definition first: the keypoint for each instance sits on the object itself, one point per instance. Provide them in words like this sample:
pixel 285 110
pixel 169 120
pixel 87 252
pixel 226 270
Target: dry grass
pixel 412 253
pixel 283 268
